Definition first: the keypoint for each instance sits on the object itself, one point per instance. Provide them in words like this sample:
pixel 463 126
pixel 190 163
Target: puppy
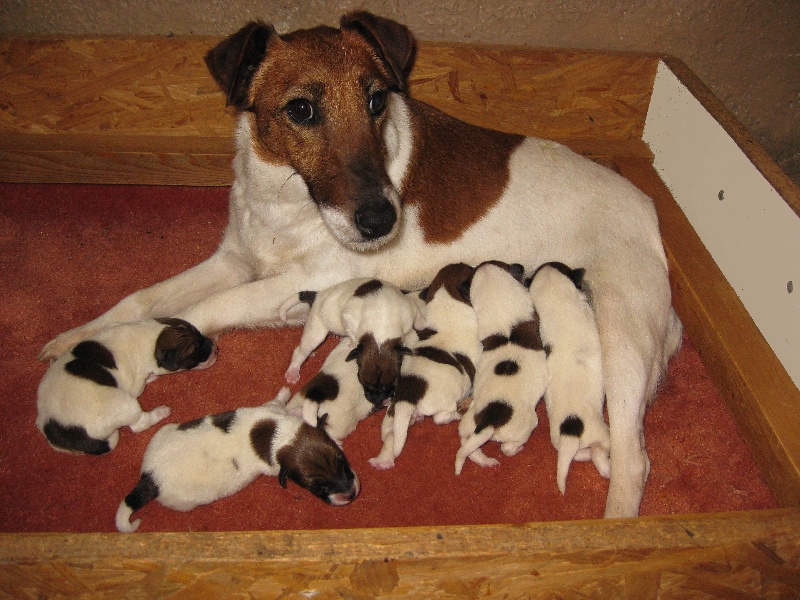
pixel 437 377
pixel 335 394
pixel 91 391
pixel 339 173
pixel 374 315
pixel 511 372
pixel 574 395
pixel 198 462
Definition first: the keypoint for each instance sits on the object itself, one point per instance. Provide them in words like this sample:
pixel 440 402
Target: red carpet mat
pixel 70 252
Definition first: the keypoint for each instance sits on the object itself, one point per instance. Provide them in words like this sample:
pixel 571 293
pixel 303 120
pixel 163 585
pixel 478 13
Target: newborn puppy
pixel 198 462
pixel 575 393
pixel 336 394
pixel 91 391
pixel 511 372
pixel 437 376
pixel 373 314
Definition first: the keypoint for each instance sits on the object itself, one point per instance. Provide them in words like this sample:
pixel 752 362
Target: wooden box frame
pixel 107 111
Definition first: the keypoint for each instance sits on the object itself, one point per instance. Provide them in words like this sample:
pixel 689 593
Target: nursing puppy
pixel 335 394
pixel 373 314
pixel 437 376
pixel 574 395
pixel 340 174
pixel 511 373
pixel 91 391
pixel 204 460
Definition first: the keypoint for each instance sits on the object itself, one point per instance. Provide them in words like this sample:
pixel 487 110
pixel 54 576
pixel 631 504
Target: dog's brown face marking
pixel 314 462
pixel 180 346
pixel 453 278
pixel 378 366
pixel 495 414
pixel 92 361
pixel 321 387
pixel 450 205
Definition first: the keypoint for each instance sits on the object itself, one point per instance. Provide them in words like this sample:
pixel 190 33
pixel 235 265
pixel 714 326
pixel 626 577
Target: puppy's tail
pixel 145 491
pixel 568 446
pixel 472 443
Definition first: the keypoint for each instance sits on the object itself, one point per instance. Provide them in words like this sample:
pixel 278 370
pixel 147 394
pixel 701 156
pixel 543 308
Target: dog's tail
pixel 145 491
pixel 471 444
pixel 403 412
pixel 293 300
pixel 568 446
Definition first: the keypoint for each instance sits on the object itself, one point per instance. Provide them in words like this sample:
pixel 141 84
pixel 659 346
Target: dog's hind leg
pixel 165 299
pixel 148 419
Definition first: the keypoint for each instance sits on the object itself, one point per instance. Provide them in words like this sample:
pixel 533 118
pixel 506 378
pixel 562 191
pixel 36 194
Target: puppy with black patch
pixel 437 377
pixel 90 392
pixel 373 314
pixel 210 458
pixel 511 373
pixel 336 394
pixel 575 393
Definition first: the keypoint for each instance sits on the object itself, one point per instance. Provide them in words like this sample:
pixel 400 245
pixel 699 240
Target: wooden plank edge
pixel 765 164
pixel 754 384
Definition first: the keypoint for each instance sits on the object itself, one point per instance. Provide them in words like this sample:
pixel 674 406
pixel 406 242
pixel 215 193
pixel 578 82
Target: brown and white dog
pixel 437 376
pixel 340 174
pixel 511 374
pixel 575 393
pixel 179 471
pixel 373 314
pixel 336 394
pixel 90 392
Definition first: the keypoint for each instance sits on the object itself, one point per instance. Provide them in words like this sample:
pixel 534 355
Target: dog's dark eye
pixel 301 111
pixel 377 102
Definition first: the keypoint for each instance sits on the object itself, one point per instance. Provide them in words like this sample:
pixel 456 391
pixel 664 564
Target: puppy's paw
pixel 59 345
pixel 292 375
pixel 381 464
pixel 160 413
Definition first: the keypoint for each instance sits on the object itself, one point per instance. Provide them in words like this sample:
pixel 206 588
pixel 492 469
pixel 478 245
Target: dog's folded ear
pixel 393 41
pixel 235 59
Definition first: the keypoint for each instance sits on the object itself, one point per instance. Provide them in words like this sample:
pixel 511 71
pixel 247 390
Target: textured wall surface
pixel 746 51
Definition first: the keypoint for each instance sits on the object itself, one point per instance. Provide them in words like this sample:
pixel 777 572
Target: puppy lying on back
pixel 198 462
pixel 575 393
pixel 336 394
pixel 373 314
pixel 91 391
pixel 437 376
pixel 511 372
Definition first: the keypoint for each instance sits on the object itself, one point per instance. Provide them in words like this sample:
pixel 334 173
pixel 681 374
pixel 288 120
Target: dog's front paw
pixel 160 413
pixel 381 464
pixel 292 375
pixel 60 344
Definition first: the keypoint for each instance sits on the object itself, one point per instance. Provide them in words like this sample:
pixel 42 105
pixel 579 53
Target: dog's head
pixel 181 347
pixel 315 462
pixel 378 366
pixel 319 101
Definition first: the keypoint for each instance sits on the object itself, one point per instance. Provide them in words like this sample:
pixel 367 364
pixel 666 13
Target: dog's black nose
pixel 376 219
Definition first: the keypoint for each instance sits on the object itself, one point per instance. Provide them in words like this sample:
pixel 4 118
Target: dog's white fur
pixel 79 402
pixel 344 404
pixel 575 394
pixel 444 376
pixel 501 303
pixel 386 313
pixel 555 205
pixel 190 466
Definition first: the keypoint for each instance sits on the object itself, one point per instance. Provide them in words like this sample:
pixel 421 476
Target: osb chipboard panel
pixel 146 110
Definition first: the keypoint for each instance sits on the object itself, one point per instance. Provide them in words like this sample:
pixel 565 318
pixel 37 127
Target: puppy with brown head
pixel 198 462
pixel 90 392
pixel 374 315
pixel 511 373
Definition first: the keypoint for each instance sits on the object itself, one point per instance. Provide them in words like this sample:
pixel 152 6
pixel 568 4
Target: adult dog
pixel 340 174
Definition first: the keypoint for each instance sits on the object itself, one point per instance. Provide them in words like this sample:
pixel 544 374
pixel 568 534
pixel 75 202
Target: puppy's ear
pixel 464 290
pixel 353 353
pixel 283 474
pixel 517 271
pixel 321 420
pixel 576 276
pixel 235 59
pixel 393 41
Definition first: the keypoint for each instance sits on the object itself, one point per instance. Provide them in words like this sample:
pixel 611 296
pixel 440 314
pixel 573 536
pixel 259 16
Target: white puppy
pixel 575 394
pixel 373 314
pixel 335 393
pixel 91 391
pixel 198 462
pixel 437 376
pixel 511 372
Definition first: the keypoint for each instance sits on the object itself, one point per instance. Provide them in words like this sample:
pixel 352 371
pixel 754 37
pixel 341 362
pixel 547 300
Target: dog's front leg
pixel 221 271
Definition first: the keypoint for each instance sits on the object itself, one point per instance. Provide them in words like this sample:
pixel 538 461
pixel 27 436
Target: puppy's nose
pixel 375 219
